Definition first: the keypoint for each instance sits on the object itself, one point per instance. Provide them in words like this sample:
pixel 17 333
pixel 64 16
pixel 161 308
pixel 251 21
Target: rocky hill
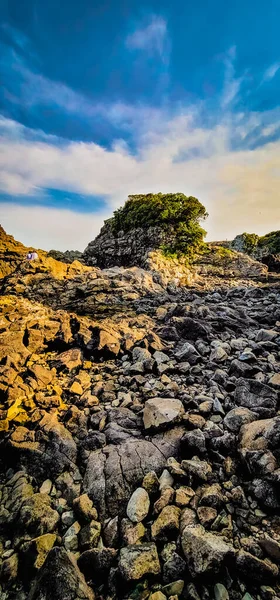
pixel 140 427
pixel 265 249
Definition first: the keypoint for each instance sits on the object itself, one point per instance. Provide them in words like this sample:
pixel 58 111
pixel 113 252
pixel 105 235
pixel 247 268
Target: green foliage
pixel 271 241
pixel 251 241
pixel 174 213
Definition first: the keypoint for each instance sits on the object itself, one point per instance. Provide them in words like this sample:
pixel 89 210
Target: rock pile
pixel 140 445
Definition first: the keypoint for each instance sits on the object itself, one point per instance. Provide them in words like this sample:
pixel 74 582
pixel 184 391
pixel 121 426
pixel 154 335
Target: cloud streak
pixel 271 71
pixel 153 38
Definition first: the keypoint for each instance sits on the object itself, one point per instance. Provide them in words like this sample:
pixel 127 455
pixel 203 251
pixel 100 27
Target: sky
pixel 103 99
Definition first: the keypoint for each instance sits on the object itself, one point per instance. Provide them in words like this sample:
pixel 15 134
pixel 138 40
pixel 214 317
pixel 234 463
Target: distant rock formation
pixel 68 256
pixel 263 248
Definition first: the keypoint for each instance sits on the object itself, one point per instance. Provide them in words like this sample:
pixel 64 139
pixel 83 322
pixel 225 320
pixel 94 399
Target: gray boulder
pixel 258 397
pixel 161 412
pixel 205 553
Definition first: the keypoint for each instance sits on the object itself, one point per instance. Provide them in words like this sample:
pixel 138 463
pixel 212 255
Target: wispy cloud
pixel 271 71
pixel 232 84
pixel 152 38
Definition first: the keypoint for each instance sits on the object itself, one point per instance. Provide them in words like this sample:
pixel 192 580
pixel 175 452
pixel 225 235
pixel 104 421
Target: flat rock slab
pixel 113 473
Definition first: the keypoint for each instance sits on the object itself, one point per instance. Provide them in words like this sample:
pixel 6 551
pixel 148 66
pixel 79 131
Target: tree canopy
pixel 176 213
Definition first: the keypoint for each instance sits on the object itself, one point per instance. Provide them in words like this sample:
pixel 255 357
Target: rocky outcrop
pixel 139 435
pixel 124 249
pixel 265 249
pixel 11 253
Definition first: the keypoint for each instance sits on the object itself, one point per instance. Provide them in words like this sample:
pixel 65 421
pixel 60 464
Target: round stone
pixel 138 506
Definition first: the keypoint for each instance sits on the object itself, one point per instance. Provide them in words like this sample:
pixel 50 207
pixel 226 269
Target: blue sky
pixel 101 100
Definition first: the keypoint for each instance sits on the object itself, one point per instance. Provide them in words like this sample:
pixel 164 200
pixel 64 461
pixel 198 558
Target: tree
pixel 176 213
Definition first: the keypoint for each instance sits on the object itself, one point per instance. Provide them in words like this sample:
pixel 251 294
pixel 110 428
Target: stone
pixel 212 496
pixel 36 515
pixel 89 535
pixel 67 518
pixel 151 483
pixel 193 443
pixel 266 335
pixel 9 569
pixel 70 359
pixel 60 579
pixel 46 487
pixel 157 596
pixel 167 523
pixel 136 561
pixel 237 417
pixel 161 412
pixel 70 538
pixel 183 496
pixel 174 589
pixel 258 397
pixel 206 515
pixel 84 509
pixel 166 497
pixel 165 480
pixel 34 553
pixel 187 518
pixel 138 506
pixel 271 547
pixel 96 563
pixel 197 468
pixel 218 354
pixel 76 388
pixel 251 567
pixel 275 380
pixel 132 534
pixel 111 478
pixel 205 553
pixel 111 532
pixel 174 568
pixel 220 592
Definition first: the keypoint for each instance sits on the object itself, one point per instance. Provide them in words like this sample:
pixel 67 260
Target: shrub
pixel 271 241
pixel 251 241
pixel 174 213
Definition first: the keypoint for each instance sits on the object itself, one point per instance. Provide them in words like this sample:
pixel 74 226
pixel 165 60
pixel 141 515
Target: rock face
pixel 139 433
pixel 265 249
pixel 124 248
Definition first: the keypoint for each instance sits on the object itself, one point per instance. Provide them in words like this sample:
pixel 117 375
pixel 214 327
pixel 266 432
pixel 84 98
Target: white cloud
pixel 241 190
pixel 152 38
pixel 271 71
pixel 50 228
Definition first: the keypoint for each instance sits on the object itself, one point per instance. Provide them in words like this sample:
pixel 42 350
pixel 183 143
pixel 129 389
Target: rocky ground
pixel 140 431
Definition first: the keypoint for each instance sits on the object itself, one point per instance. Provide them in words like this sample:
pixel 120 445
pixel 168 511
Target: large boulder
pixel 60 579
pixel 205 553
pixel 258 397
pixel 162 412
pixel 113 472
